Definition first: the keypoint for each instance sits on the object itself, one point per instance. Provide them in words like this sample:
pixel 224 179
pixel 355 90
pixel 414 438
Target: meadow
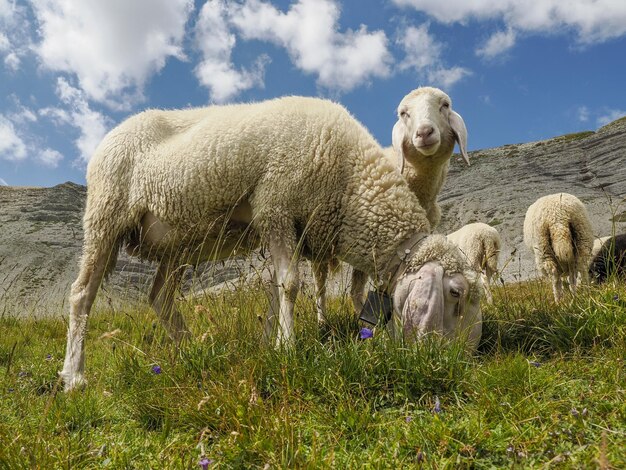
pixel 546 389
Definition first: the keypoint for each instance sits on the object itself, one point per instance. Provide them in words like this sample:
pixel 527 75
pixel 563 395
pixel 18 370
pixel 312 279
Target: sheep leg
pixel 161 298
pixel 320 272
pixel 557 287
pixel 487 288
pixel 274 307
pixel 82 295
pixel 286 272
pixel 357 290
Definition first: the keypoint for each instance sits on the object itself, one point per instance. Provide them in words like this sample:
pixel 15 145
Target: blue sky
pixel 517 70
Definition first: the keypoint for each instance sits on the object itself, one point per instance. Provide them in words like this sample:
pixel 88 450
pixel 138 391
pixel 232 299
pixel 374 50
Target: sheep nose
pixel 424 130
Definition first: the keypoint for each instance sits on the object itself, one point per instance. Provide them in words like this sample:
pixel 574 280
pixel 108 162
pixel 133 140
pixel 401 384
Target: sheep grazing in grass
pixel 480 243
pixel 299 175
pixel 610 259
pixel 424 136
pixel 558 231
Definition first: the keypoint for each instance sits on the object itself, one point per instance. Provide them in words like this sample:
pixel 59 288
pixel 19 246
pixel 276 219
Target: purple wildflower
pixel 437 408
pixel 204 462
pixel 408 419
pixel 48 357
pixel 574 412
pixel 616 297
pixel 366 333
pixel 156 369
pixel 535 363
pixel 420 456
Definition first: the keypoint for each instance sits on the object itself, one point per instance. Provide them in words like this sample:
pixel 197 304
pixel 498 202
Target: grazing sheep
pixel 597 245
pixel 300 175
pixel 424 135
pixel 480 243
pixel 610 259
pixel 558 231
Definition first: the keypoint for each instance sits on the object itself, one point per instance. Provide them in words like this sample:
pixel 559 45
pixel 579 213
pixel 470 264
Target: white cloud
pixel 12 147
pixel 14 34
pixel 592 21
pixel 583 113
pixel 91 124
pixel 309 31
pixel 50 157
pixel 4 42
pixel 112 46
pixel 216 42
pixel 497 44
pixel 609 115
pixel 423 54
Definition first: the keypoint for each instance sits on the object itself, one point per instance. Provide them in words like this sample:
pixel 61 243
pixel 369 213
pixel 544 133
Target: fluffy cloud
pixel 111 46
pixel 91 124
pixel 12 147
pixel 50 158
pixel 592 21
pixel 610 115
pixel 423 54
pixel 216 42
pixel 309 32
pixel 14 34
pixel 497 44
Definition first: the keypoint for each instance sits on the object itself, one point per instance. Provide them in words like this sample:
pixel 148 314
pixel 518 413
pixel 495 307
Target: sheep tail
pixel 562 242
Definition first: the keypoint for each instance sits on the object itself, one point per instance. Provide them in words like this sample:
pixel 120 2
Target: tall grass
pixel 546 388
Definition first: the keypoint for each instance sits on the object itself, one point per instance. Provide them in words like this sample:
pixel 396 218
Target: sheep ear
pixel 460 133
pixel 397 136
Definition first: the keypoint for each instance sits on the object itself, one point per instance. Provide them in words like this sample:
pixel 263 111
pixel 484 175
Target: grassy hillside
pixel 547 387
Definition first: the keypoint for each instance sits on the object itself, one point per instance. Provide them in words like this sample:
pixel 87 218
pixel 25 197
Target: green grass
pixel 547 388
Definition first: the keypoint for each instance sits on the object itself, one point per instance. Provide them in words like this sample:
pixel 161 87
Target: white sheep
pixel 480 243
pixel 424 136
pixel 558 231
pixel 301 175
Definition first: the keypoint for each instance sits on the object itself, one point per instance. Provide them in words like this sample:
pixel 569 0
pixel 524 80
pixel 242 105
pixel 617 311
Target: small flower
pixel 48 357
pixel 574 412
pixel 11 390
pixel 616 297
pixel 156 369
pixel 437 408
pixel 204 462
pixel 535 363
pixel 366 333
pixel 510 449
pixel 585 411
pixel 420 456
pixel 408 419
pixel 23 374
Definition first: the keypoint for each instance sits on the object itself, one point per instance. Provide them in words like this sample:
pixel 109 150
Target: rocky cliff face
pixel 41 234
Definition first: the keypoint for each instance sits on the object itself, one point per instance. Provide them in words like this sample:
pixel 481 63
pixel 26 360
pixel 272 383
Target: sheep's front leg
pixel 274 307
pixel 320 272
pixel 167 279
pixel 357 289
pixel 286 273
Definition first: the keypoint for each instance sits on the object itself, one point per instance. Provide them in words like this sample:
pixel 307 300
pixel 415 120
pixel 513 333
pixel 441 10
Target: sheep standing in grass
pixel 558 231
pixel 424 136
pixel 480 243
pixel 298 174
pixel 610 259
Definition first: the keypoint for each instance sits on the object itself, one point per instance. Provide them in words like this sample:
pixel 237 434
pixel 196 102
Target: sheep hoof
pixel 71 383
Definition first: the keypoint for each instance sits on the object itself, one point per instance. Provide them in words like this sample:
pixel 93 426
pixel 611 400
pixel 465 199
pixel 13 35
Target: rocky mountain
pixel 41 235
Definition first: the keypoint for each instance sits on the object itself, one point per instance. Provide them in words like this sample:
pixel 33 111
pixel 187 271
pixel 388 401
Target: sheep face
pixel 432 301
pixel 427 126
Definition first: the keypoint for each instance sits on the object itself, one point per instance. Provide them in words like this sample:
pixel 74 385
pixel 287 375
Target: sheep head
pixel 428 127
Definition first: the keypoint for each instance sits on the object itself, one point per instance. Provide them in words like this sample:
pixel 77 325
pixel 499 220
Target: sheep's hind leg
pixel 167 279
pixel 82 295
pixel 274 307
pixel 286 273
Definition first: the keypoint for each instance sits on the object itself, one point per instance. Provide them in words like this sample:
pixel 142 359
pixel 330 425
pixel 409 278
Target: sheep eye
pixel 445 105
pixel 404 114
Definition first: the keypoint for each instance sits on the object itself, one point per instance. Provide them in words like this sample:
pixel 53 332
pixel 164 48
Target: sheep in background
pixel 597 245
pixel 480 243
pixel 558 231
pixel 610 259
pixel 424 136
pixel 298 174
